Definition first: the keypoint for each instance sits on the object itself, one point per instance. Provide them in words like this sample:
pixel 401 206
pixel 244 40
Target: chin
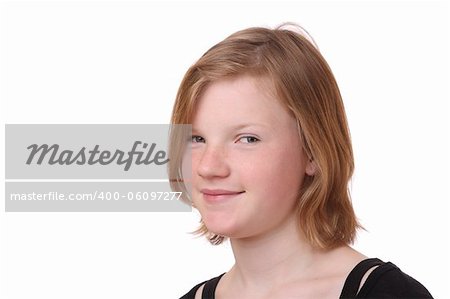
pixel 222 227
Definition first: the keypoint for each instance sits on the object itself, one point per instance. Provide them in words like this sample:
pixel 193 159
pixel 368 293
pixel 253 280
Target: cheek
pixel 279 176
pixel 191 178
pixel 195 159
pixel 186 171
pixel 192 169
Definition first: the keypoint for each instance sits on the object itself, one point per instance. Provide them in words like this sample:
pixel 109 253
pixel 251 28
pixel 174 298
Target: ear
pixel 311 167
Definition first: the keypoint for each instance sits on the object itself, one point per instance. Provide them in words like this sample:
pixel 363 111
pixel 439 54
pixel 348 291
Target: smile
pixel 219 195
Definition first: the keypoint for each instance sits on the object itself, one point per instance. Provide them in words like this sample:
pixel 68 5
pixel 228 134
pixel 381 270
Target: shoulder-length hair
pixel 304 83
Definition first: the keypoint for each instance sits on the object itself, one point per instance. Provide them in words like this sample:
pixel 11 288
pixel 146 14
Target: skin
pixel 248 164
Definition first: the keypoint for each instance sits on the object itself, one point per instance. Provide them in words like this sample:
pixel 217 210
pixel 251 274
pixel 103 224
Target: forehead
pixel 240 97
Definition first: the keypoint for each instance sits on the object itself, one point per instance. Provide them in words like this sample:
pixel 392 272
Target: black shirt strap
pixel 351 285
pixel 210 287
pixel 192 292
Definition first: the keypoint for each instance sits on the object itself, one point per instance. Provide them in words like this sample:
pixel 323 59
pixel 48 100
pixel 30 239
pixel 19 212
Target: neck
pixel 283 256
pixel 273 257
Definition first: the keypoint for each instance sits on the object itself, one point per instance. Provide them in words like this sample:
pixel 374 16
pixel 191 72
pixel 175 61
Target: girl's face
pixel 248 163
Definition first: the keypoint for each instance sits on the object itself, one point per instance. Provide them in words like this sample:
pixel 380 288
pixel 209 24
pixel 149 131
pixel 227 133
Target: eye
pixel 197 139
pixel 248 139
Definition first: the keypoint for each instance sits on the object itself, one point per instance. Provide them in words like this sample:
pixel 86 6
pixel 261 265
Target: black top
pixel 386 281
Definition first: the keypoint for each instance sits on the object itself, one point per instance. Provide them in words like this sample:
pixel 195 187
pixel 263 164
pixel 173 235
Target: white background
pixel 121 62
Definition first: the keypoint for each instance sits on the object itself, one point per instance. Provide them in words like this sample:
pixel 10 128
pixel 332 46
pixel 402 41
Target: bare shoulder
pixel 335 267
pixel 344 259
pixel 195 292
pixel 198 294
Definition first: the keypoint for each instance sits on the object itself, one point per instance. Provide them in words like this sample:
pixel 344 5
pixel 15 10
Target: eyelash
pixel 255 140
pixel 194 139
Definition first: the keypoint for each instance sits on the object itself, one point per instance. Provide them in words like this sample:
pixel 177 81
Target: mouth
pixel 219 195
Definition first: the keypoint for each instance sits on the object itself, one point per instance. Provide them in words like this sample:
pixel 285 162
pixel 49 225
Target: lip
pixel 219 195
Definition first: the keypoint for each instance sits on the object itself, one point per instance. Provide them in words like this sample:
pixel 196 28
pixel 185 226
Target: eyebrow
pixel 240 126
pixel 243 126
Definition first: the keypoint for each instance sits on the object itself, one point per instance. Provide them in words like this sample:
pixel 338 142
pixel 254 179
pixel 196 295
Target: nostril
pixel 211 163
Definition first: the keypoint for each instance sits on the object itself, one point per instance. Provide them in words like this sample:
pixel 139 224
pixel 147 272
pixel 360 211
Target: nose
pixel 212 162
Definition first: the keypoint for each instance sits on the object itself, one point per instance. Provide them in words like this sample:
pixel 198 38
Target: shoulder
pixel 193 291
pixel 388 281
pixel 212 283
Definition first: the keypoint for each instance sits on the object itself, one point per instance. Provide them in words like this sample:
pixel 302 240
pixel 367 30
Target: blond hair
pixel 305 84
